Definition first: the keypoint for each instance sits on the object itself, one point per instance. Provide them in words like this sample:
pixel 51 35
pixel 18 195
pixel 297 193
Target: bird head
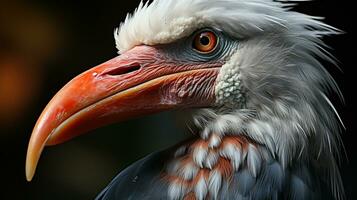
pixel 250 67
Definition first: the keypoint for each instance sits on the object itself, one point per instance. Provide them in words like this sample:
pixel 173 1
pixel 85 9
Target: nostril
pixel 123 70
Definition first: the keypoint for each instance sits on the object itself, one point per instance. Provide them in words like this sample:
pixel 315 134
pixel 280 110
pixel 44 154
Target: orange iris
pixel 205 42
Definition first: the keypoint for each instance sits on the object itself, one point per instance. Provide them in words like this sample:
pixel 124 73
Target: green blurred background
pixel 43 44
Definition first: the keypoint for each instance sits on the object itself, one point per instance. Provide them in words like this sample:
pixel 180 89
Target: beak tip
pixel 31 164
pixel 29 172
pixel 29 179
pixel 35 147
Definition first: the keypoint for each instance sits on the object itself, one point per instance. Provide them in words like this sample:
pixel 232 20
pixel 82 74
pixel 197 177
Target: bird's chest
pixel 229 167
pixel 207 169
pixel 234 167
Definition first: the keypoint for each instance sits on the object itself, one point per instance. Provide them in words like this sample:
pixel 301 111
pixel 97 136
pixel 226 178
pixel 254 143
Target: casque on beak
pixel 139 82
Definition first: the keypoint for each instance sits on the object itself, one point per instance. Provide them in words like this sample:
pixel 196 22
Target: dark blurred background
pixel 43 44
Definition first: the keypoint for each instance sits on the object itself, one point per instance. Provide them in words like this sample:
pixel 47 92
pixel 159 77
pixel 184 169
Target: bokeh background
pixel 43 44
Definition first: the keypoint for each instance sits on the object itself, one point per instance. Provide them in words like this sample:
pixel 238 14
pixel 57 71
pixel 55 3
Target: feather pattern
pixel 148 179
pixel 165 21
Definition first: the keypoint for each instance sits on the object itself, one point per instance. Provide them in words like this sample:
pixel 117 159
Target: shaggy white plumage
pixel 165 21
pixel 275 74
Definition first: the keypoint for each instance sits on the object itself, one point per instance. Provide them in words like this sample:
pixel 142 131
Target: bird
pixel 253 74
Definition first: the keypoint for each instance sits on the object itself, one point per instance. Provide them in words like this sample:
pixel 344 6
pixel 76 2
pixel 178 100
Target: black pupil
pixel 204 40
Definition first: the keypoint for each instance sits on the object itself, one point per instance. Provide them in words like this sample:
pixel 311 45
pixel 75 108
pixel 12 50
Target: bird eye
pixel 205 42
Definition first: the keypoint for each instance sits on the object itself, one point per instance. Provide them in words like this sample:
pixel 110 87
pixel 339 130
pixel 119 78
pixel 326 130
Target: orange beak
pixel 141 81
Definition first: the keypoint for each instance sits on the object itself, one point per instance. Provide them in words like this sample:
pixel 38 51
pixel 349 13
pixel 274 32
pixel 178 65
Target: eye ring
pixel 205 42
